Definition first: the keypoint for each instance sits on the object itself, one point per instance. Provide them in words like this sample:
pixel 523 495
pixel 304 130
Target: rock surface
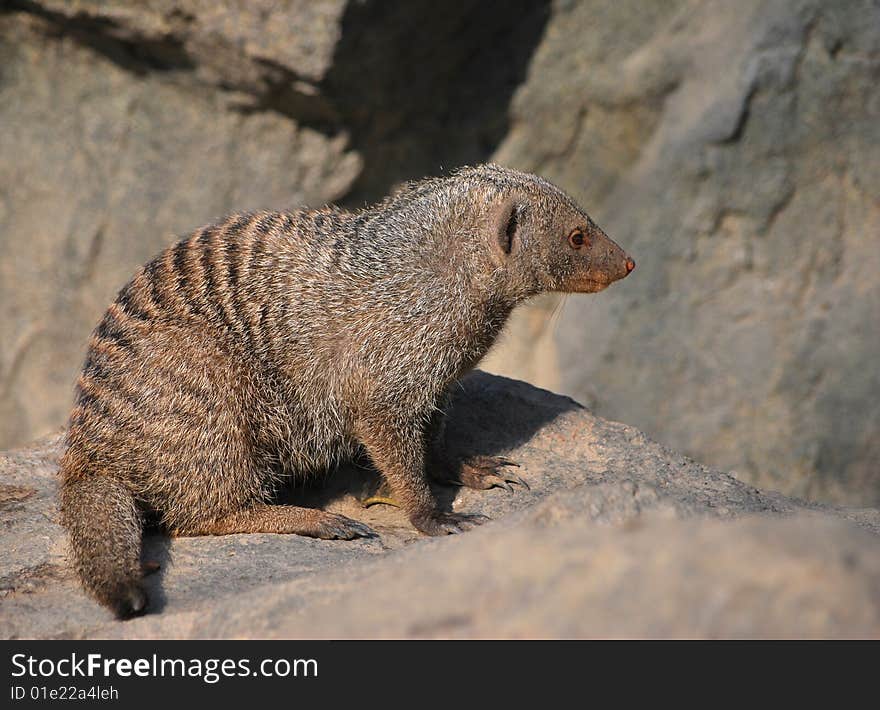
pixel 731 147
pixel 618 537
pixel 734 149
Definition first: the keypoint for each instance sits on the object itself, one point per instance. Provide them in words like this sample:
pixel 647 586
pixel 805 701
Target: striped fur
pixel 276 344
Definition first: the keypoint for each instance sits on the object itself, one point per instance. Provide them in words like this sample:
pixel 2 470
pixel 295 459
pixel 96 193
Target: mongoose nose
pixel 630 264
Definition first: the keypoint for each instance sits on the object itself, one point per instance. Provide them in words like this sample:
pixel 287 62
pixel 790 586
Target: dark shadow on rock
pixel 488 416
pixel 491 414
pixel 419 87
pixel 425 86
pixel 156 549
pixel 130 50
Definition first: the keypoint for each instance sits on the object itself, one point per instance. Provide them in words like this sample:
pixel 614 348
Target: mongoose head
pixel 544 241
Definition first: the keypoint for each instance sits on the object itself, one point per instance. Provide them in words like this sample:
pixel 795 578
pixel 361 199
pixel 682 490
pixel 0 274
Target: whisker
pixel 556 314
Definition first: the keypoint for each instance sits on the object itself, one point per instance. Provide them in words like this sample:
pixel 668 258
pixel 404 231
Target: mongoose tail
pixel 106 530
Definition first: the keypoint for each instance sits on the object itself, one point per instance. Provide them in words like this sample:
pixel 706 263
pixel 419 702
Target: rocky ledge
pixel 618 537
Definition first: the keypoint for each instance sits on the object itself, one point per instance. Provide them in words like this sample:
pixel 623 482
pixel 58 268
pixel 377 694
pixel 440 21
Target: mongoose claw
pixel 501 461
pixel 484 472
pixel 513 478
pixel 338 527
pixel 437 523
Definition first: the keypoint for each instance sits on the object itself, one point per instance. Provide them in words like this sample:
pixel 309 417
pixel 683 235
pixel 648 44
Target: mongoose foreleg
pixel 479 472
pixel 397 450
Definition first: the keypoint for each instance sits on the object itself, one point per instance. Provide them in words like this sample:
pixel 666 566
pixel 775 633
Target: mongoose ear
pixel 508 225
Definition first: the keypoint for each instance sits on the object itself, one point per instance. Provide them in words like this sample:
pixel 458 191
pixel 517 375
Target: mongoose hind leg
pixel 284 519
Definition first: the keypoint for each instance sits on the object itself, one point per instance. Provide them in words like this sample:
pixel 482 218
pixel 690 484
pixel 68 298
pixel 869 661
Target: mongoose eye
pixel 576 239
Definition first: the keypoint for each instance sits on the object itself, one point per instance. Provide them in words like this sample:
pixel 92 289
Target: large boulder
pixel 618 536
pixel 734 149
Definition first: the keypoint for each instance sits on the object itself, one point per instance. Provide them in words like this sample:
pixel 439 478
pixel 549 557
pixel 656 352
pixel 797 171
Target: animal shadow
pixel 488 416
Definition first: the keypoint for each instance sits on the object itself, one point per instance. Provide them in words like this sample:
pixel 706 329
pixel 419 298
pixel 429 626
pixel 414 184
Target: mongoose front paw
pixel 484 472
pixel 338 527
pixel 437 523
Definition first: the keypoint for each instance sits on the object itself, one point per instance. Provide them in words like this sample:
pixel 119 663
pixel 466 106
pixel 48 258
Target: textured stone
pixel 618 536
pixel 731 147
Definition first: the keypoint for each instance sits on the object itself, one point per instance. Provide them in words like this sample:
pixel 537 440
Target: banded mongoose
pixel 277 344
